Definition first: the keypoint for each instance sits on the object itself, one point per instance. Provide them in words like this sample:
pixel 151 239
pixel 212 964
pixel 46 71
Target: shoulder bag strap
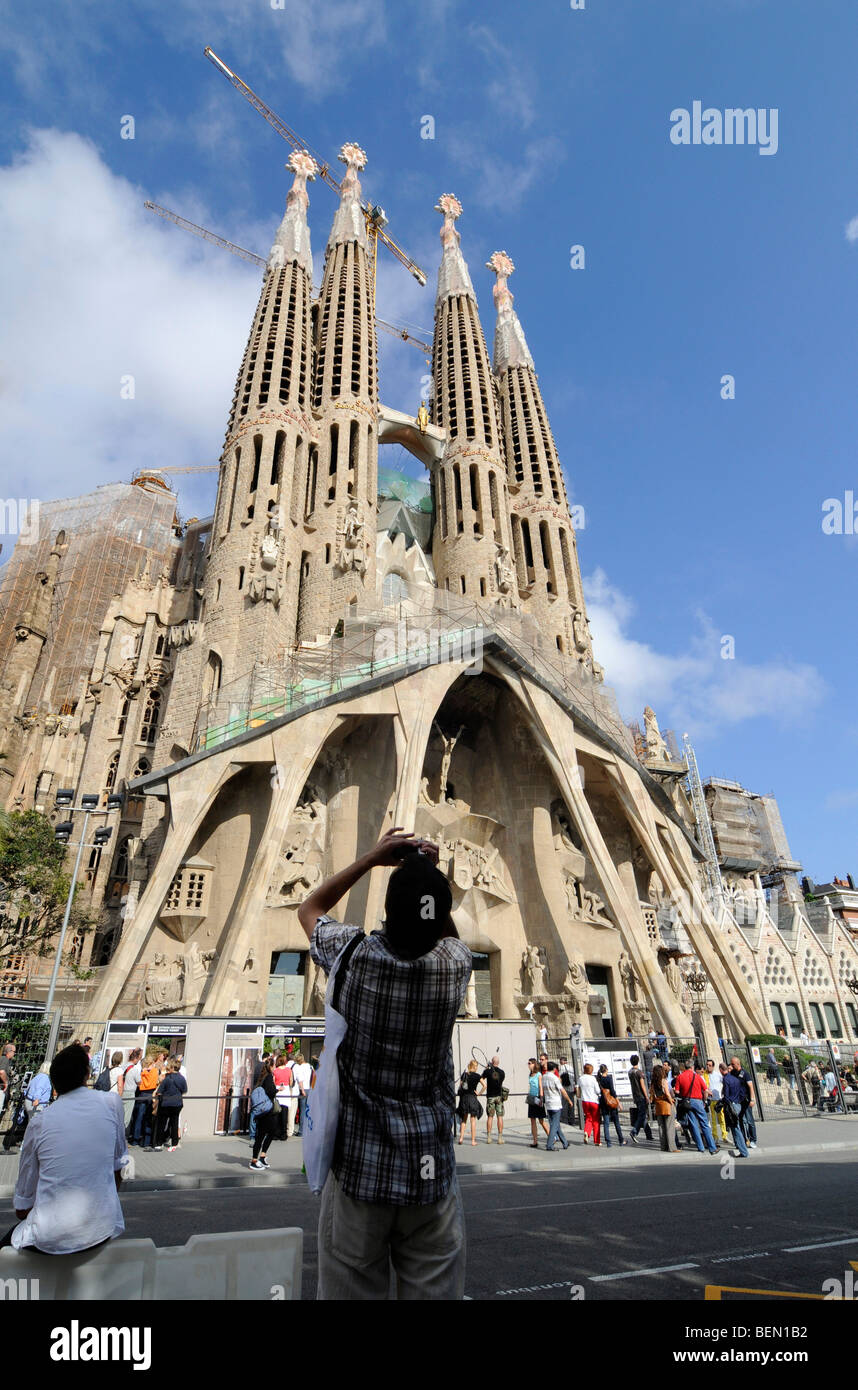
pixel 342 965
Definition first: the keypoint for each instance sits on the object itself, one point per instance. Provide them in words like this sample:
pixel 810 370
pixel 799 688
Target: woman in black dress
pixel 469 1107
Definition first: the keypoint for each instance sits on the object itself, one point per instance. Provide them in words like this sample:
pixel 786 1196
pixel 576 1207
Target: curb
pixel 189 1182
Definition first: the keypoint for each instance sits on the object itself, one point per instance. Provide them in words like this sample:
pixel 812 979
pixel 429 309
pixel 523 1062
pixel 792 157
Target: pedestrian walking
pixel 171 1098
pixel 773 1070
pixel 567 1113
pixel 493 1076
pixel 144 1096
pixel 691 1088
pixel 609 1106
pixel 535 1102
pixel 283 1081
pixel 262 1099
pixel 131 1073
pixel 733 1096
pixel 715 1082
pixel 588 1090
pixel 302 1074
pixel 746 1118
pixel 7 1076
pixel 663 1103
pixel 38 1094
pixel 639 1113
pixel 554 1091
pixel 469 1107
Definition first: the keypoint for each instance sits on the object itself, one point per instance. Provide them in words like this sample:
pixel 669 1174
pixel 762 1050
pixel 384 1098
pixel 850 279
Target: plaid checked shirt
pixel 397 1094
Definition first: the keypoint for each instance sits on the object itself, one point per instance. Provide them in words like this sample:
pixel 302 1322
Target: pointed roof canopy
pixel 511 348
pixel 292 242
pixel 453 277
pixel 349 223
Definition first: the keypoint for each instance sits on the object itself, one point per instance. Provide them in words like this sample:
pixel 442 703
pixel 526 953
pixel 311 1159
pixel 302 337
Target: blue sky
pixel 703 515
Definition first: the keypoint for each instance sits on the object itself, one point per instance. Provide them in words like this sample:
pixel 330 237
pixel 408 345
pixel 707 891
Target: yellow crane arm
pixel 293 139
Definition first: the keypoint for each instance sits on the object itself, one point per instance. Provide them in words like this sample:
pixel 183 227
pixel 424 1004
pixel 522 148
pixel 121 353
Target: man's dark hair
pixel 69 1069
pixel 634 1059
pixel 416 906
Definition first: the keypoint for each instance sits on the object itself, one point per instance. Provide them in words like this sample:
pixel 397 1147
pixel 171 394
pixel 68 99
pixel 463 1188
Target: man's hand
pixel 393 847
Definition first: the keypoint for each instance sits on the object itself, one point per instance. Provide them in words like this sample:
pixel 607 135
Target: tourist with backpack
pixel 262 1101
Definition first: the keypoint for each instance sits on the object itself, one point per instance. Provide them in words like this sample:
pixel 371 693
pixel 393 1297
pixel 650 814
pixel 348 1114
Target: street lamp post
pixel 89 805
pixel 698 985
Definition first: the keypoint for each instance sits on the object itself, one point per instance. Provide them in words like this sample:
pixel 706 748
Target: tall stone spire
pixel 472 543
pixel 337 562
pixel 545 553
pixel 251 582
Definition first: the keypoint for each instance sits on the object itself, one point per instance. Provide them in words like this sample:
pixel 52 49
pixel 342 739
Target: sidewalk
pixel 222 1160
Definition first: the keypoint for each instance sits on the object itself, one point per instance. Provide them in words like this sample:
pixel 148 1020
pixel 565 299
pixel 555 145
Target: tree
pixel 33 886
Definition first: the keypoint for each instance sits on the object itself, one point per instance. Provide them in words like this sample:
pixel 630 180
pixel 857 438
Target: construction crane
pixel 159 474
pixel 375 217
pixel 253 259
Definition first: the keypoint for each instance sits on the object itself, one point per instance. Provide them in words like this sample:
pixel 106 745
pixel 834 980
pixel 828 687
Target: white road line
pixel 599 1202
pixel 636 1273
pixel 821 1245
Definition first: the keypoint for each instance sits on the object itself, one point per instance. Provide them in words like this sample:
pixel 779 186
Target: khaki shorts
pixel 494 1106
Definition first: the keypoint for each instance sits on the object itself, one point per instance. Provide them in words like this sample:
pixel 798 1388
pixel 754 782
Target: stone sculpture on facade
pixel 449 744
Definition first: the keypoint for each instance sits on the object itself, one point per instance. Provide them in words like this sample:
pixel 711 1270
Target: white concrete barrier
pixel 232 1265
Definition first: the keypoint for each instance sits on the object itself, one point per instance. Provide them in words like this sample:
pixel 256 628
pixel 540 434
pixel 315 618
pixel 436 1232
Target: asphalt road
pixel 653 1233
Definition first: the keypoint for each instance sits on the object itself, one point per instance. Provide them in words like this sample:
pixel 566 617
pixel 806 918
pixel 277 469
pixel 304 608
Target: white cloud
pixel 498 183
pixel 94 288
pixel 696 691
pixel 852 230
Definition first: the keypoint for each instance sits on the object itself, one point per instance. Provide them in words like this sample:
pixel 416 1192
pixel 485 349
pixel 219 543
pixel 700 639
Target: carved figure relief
pixel 449 743
pixel 350 554
pixel 298 869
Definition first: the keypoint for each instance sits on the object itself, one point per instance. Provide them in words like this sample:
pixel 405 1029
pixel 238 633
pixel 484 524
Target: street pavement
pixel 602 1225
pixel 223 1160
pixel 644 1232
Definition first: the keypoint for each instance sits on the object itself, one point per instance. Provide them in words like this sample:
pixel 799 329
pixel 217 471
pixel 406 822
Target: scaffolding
pixel 424 627
pixel 109 535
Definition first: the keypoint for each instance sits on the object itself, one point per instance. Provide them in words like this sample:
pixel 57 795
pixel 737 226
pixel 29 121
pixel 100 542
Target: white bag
pixel 322 1111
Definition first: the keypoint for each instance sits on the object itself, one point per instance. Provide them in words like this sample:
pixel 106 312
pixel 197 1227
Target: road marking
pixel 821 1245
pixel 636 1273
pixel 599 1202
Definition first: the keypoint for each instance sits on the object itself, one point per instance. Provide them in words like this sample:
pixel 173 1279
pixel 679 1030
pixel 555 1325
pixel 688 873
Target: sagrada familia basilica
pixel 276 685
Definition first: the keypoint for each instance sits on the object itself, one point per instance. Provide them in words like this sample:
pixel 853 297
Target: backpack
pixel 260 1101
pixel 103 1082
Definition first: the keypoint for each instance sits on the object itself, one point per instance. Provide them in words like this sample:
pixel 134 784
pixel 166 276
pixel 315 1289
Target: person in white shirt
pixel 67 1193
pixel 715 1082
pixel 132 1074
pixel 554 1093
pixel 302 1073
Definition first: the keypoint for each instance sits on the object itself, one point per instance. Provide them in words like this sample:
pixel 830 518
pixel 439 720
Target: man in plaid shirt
pixel 392 1195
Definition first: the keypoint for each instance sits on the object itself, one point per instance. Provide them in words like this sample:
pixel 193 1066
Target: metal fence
pixel 790 1079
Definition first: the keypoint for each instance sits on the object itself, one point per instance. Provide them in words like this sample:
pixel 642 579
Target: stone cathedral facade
pixel 309 668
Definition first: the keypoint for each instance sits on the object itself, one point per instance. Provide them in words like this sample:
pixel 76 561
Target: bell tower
pixel 545 553
pixel 337 560
pixel 472 544
pixel 251 582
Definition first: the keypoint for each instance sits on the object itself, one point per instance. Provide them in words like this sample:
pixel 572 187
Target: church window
pixel 123 715
pixel 151 714
pixel 277 459
pixel 332 466
pixel 110 775
pixel 241 577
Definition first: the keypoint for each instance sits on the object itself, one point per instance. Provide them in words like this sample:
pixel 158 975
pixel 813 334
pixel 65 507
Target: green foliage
pixel 33 885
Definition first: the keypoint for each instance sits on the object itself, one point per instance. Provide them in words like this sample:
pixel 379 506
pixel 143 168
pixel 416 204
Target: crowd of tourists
pixel 151 1087
pixel 692 1105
